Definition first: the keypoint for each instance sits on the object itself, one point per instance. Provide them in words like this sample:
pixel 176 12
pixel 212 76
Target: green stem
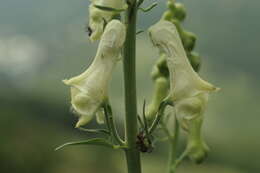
pixel 173 148
pixel 131 127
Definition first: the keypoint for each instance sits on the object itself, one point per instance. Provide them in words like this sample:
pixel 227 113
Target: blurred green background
pixel 43 42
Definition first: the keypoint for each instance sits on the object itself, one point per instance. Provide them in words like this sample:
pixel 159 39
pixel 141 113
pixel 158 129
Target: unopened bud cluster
pixel 176 14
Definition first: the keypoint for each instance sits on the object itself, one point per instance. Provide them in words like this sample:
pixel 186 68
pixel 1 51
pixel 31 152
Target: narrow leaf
pixel 145 121
pixel 102 131
pixel 139 32
pixel 149 8
pixel 109 8
pixel 140 121
pixel 94 141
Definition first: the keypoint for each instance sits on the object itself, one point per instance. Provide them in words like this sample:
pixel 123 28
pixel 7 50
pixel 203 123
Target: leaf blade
pixel 104 8
pixel 93 141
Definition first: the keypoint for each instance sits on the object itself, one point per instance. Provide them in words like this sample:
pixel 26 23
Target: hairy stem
pixel 131 128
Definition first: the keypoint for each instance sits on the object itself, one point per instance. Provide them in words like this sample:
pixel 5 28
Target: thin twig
pixel 111 124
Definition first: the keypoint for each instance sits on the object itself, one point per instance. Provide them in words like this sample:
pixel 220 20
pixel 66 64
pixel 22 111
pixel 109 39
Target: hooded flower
pixel 89 89
pixel 98 18
pixel 188 91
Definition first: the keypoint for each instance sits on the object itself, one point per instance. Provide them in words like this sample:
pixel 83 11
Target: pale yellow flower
pixel 188 92
pixel 89 90
pixel 185 82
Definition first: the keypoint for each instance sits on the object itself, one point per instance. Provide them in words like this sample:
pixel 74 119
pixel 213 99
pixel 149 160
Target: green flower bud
pixel 155 73
pixel 167 15
pixel 162 65
pixel 89 89
pixel 171 5
pixel 160 68
pixel 179 12
pixel 177 24
pixel 161 87
pixel 195 60
pixel 189 40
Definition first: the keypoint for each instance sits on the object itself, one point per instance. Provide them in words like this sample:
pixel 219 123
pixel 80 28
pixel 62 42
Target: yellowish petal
pixel 89 89
pixel 184 81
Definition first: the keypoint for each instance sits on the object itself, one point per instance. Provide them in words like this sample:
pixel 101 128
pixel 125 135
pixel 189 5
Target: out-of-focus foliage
pixel 43 42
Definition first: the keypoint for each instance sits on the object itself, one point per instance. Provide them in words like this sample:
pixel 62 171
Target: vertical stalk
pixel 173 149
pixel 131 128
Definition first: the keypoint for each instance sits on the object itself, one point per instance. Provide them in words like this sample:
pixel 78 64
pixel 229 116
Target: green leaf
pixel 140 121
pixel 101 131
pixel 94 141
pixel 109 8
pixel 148 8
pixel 145 121
pixel 139 32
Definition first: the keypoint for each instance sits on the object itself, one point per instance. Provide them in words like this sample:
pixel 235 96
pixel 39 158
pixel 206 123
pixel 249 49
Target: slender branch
pixel 173 148
pixel 111 124
pixel 158 116
pixel 131 126
pixel 149 7
pixel 145 121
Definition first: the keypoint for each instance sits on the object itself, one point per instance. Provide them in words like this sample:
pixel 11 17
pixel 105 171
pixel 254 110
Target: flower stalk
pixel 172 165
pixel 111 124
pixel 129 64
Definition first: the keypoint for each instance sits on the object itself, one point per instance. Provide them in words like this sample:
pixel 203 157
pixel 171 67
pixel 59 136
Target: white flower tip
pixel 65 81
pixel 83 120
pixel 100 117
pixel 95 36
pixel 212 88
pixel 217 89
pixel 208 86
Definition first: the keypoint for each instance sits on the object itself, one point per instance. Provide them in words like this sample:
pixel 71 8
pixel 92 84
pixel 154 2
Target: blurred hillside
pixel 43 42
